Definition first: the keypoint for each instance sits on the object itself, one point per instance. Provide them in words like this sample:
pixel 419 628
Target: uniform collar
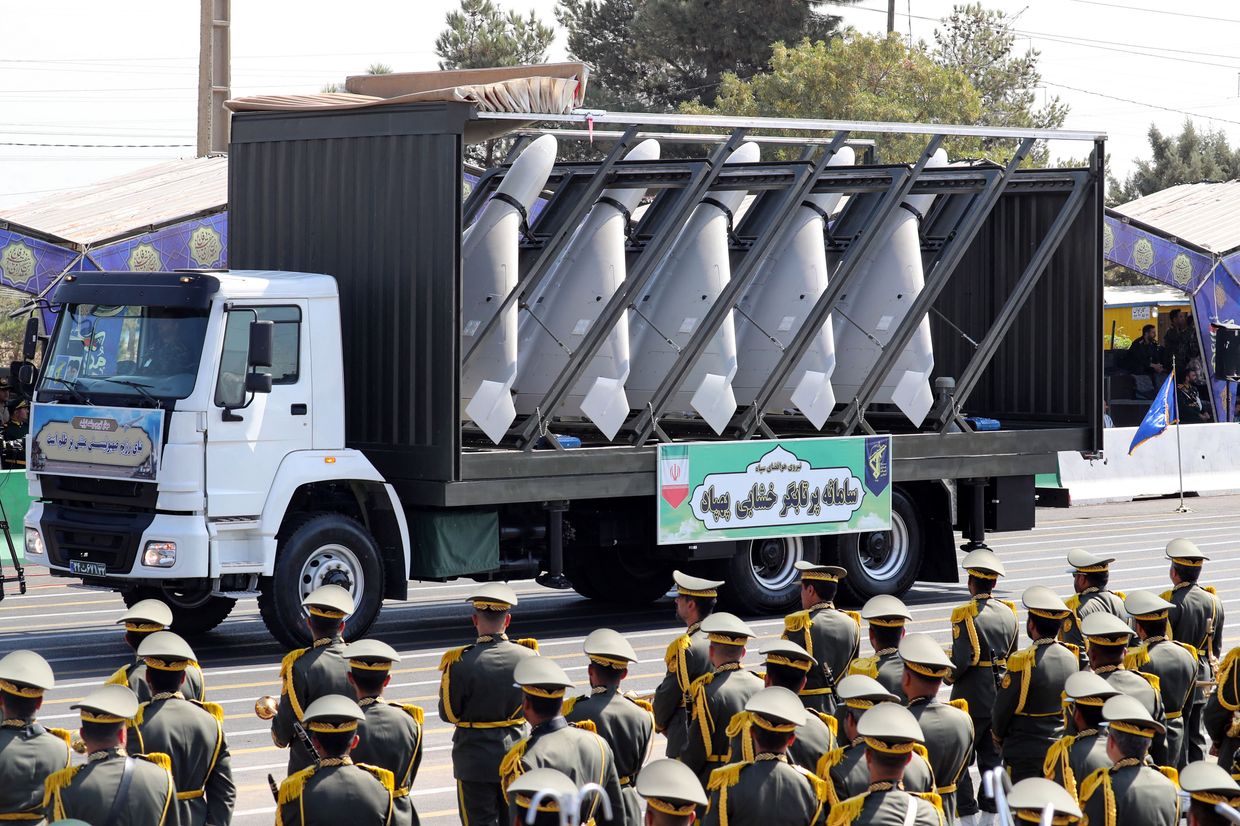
pixel 884 652
pixel 920 701
pixel 106 754
pixel 1150 642
pixel 770 755
pixel 881 786
pixel 1126 763
pixel 328 762
pixel 821 606
pixel 1089 732
pixel 554 724
pixel 602 689
pixel 1092 589
pixel 1044 641
pixel 16 722
pixel 1181 586
pixel 980 597
pixel 369 701
pixel 319 643
pixel 167 695
pixel 693 629
pixel 491 638
pixel 1106 669
pixel 726 667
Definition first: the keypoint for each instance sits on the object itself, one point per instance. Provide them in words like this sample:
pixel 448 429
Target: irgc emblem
pixel 17 263
pixel 877 463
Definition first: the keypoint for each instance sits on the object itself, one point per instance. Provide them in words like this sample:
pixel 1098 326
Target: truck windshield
pixel 129 350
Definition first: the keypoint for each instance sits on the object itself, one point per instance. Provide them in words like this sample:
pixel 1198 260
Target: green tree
pixel 372 69
pixel 479 35
pixel 653 55
pixel 857 77
pixel 1187 158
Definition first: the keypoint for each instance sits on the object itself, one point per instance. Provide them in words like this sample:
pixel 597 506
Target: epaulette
pixel 1209 589
pixel 382 775
pixel 1169 773
pixel 832 722
pixel 963 612
pixel 139 716
pixel 1226 680
pixel 846 811
pixel 57 781
pixel 159 759
pixel 569 703
pixel 585 725
pixel 1189 648
pixel 798 621
pixel 451 657
pixel 294 785
pixel 1136 657
pixel 119 677
pixel 1120 594
pixel 1058 749
pixel 510 767
pixel 829 761
pixel 672 656
pixel 725 776
pixel 1073 602
pixel 961 704
pixel 856 617
pixel 645 705
pixel 1010 604
pixel 932 798
pixel 1021 660
pixel 286 665
pixel 528 642
pixel 215 709
pixel 1152 679
pixel 1075 649
pixel 63 734
pixel 921 751
pixel 823 790
pixel 703 681
pixel 867 666
pixel 416 712
pixel 1166 595
pixel 1091 783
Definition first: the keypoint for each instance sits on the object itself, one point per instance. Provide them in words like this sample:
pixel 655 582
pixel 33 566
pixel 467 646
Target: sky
pixel 118 81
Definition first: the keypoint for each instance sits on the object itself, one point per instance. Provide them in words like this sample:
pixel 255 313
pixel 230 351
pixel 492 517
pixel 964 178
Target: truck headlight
pixel 159 554
pixel 34 543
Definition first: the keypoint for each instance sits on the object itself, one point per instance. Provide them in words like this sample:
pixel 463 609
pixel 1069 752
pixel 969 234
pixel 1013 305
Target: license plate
pixel 77 566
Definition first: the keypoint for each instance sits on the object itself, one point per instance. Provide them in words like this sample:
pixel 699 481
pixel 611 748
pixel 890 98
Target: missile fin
pixel 607 405
pixel 814 397
pixel 492 409
pixel 714 401
pixel 912 395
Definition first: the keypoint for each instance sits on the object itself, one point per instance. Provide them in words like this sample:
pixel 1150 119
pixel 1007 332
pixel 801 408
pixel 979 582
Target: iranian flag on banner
pixel 674 473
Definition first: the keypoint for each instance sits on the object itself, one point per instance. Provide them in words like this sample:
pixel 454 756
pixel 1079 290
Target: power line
pixel 101 145
pixel 1140 103
pixel 1158 11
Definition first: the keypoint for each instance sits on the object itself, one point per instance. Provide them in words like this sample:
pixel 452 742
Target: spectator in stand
pixel 1188 400
pixel 1180 341
pixel 1145 356
pixel 1107 421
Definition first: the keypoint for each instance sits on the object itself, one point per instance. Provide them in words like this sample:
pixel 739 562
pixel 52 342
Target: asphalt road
pixel 74 628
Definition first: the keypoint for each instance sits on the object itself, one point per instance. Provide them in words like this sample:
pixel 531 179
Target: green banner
pixel 713 491
pixel 16 497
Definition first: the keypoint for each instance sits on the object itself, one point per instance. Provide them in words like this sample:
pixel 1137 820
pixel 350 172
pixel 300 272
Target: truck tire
pixel 622 577
pixel 884 562
pixel 762 579
pixel 193 612
pixel 322 549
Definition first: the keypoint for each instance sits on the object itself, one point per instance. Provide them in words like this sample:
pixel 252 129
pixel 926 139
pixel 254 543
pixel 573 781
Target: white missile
pixel 565 306
pixel 774 307
pixel 889 280
pixel 668 313
pixel 489 272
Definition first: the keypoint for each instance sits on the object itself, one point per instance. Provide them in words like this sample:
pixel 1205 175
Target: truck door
pixel 248 435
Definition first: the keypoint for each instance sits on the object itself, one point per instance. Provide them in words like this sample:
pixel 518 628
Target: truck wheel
pixel 194 611
pixel 625 577
pixel 763 578
pixel 884 562
pixel 323 549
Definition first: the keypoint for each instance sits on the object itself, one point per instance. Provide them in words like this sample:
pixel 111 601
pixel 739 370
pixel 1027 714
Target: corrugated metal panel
pixel 119 207
pixel 376 203
pixel 1202 214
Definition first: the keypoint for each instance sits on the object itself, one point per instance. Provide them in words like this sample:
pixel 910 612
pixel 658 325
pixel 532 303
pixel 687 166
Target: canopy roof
pixel 1203 214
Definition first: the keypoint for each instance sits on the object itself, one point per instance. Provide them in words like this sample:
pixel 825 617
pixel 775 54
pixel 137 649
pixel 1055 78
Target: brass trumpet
pixel 265 707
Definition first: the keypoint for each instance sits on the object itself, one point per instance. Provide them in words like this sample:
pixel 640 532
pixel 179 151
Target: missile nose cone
pixel 530 170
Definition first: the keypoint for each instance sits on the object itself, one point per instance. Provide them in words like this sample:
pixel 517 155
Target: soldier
pixel 334 789
pixel 1130 791
pixel 477 695
pixel 769 789
pixel 554 743
pixel 1196 618
pixel 1074 757
pixel 307 674
pixel 672 793
pixel 1030 797
pixel 983 635
pixel 390 736
pixel 886 616
pixel 687 659
pixel 1028 717
pixel 143 619
pixel 190 732
pixel 890 732
pixel 1173 663
pixel 1207 784
pixel 623 720
pixel 558 791
pixel 28 751
pixel 786 666
pixel 846 767
pixel 1107 636
pixel 717 696
pixel 1222 712
pixel 830 635
pixel 946 727
pixel 98 790
pixel 1090 575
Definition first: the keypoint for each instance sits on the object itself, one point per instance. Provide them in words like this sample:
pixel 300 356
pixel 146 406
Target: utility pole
pixel 891 16
pixel 214 76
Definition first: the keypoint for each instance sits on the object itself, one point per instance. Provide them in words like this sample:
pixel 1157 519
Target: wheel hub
pixel 773 561
pixel 332 565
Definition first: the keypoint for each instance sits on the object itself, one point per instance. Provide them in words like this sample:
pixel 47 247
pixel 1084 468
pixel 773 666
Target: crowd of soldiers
pixel 1102 720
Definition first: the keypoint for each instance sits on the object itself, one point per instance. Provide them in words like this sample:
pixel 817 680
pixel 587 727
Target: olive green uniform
pixel 850 775
pixel 767 790
pixel 1222 710
pixel 306 675
pixel 1087 602
pixel 1141 796
pixel 336 791
pixel 1075 757
pixel 1146 689
pixel 1196 618
pixel 883 805
pixel 391 738
pixel 687 658
pixel 831 636
pixel 815 738
pixel 1028 728
pixel 715 699
pixel 477 695
pixel 1174 664
pixel 192 735
pixel 134 676
pixel 581 754
pixel 87 792
pixel 28 754
pixel 627 724
pixel 984 635
pixel 886 667
pixel 949 742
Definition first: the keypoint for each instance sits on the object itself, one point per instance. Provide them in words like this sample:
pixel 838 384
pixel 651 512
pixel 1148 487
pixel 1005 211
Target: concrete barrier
pixel 1210 454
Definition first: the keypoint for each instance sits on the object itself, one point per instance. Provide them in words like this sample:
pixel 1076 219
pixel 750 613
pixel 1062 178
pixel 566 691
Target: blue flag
pixel 1162 414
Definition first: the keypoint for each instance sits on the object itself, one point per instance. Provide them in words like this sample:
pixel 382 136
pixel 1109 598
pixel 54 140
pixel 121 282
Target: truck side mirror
pixel 257 382
pixel 262 343
pixel 30 339
pixel 25 375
